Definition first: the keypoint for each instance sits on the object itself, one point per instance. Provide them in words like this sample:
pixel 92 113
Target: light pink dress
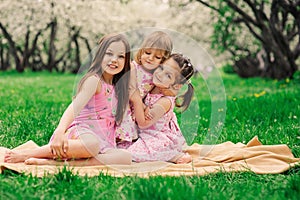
pixel 127 131
pixel 163 140
pixel 97 118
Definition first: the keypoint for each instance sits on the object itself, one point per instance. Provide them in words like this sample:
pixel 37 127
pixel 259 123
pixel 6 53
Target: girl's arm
pixel 59 145
pixel 157 110
pixel 132 81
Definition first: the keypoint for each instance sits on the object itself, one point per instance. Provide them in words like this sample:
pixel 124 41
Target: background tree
pixel 270 47
pixel 33 40
pixel 58 35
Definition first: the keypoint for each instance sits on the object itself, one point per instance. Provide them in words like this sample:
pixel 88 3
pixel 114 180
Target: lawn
pixel 32 103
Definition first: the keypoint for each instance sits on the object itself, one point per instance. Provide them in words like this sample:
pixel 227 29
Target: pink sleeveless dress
pixel 97 118
pixel 163 140
pixel 127 131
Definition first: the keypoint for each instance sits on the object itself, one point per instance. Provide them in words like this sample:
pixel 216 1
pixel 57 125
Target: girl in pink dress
pixel 160 137
pixel 155 49
pixel 86 128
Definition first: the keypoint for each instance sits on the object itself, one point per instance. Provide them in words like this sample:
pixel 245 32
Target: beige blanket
pixel 224 157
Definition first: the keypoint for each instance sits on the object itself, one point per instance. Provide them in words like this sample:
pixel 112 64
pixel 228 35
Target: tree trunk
pixel 4 59
pixel 77 52
pixel 277 30
pixel 25 54
pixel 13 48
pixel 22 61
pixel 52 50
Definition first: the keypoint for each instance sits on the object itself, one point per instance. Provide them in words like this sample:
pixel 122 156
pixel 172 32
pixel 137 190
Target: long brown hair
pixel 120 80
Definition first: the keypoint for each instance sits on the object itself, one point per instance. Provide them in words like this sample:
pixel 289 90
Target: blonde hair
pixel 157 40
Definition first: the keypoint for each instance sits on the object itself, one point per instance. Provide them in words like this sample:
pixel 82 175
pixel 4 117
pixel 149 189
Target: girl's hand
pixel 59 146
pixel 148 115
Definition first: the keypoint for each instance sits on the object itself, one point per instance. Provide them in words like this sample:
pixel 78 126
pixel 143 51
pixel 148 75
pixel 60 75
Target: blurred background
pixel 250 38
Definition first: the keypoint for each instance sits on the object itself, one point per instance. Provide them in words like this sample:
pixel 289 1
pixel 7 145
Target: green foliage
pixel 222 37
pixel 296 76
pixel 230 34
pixel 32 103
pixel 228 68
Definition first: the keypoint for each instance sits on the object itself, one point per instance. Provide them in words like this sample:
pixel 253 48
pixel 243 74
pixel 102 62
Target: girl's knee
pixel 91 143
pixel 125 157
pixel 116 156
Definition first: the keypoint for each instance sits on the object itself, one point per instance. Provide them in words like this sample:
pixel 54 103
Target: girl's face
pixel 151 58
pixel 114 58
pixel 166 74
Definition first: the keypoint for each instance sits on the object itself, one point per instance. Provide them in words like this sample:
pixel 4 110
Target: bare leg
pixel 12 156
pixel 78 162
pixel 115 156
pixel 85 147
pixel 43 161
pixel 112 156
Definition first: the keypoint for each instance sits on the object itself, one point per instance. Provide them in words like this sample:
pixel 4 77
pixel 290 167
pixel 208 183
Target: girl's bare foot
pixel 14 156
pixel 42 161
pixel 79 162
pixel 185 158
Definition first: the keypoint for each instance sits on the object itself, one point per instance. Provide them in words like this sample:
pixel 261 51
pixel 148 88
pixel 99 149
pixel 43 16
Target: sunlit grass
pixel 32 104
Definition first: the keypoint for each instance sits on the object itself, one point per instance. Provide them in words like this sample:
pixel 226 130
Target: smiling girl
pixel 155 49
pixel 160 137
pixel 86 128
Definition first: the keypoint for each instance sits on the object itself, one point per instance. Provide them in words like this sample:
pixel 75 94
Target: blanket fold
pixel 225 157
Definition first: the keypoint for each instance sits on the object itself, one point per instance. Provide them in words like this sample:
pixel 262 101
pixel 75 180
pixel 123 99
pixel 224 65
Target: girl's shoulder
pixel 140 69
pixel 167 102
pixel 98 78
pixel 94 80
pixel 134 65
pixel 93 77
pixel 167 99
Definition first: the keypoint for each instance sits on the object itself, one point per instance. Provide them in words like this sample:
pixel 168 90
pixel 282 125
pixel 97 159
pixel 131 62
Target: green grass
pixel 32 103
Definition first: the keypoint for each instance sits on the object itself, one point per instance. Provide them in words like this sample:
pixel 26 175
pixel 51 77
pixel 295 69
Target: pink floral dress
pixel 163 140
pixel 127 131
pixel 97 118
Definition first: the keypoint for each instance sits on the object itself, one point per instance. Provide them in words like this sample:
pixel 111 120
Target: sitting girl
pixel 86 129
pixel 160 137
pixel 155 49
